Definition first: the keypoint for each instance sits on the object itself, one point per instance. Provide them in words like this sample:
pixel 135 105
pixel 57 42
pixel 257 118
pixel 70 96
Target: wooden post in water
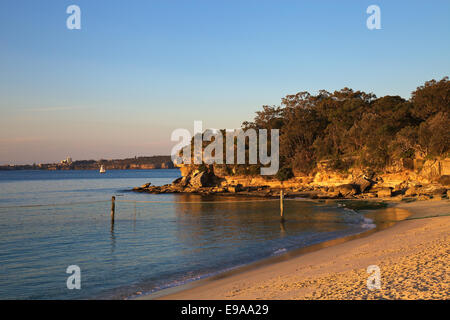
pixel 113 208
pixel 281 204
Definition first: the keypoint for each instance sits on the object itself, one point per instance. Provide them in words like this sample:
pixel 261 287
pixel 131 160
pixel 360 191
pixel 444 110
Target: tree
pixel 354 128
pixel 431 98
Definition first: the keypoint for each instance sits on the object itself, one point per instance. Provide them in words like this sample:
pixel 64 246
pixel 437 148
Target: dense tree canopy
pixel 353 128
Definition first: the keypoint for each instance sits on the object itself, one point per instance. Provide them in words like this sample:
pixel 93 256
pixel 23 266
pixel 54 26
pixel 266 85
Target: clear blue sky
pixel 137 70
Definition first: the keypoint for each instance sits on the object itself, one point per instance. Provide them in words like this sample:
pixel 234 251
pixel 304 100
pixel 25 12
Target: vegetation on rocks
pixel 345 144
pixel 350 128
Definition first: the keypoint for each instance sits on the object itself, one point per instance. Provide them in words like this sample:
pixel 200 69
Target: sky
pixel 137 70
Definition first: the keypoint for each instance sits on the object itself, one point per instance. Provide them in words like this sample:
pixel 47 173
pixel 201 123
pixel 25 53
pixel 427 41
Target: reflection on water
pixel 113 239
pixel 211 224
pixel 150 246
pixel 282 228
pixel 385 218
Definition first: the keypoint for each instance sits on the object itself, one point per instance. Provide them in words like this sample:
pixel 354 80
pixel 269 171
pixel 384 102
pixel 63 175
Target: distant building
pixel 68 160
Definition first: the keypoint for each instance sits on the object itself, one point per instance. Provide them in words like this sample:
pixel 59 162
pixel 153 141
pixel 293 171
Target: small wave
pixel 179 282
pixel 279 251
pixel 368 223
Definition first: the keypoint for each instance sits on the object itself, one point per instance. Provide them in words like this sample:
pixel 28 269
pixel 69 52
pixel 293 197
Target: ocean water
pixel 50 220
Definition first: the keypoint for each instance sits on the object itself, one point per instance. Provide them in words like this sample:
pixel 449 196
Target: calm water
pixel 50 220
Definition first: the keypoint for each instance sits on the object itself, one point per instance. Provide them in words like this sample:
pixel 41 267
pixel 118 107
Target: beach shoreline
pixel 412 257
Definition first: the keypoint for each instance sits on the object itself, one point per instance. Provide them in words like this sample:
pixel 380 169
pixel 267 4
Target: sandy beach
pixel 412 257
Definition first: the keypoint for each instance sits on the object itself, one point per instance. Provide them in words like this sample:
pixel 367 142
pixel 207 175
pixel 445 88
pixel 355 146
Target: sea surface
pixel 50 220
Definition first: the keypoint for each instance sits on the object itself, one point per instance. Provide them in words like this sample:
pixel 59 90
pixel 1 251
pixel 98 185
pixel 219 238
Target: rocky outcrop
pixel 422 180
pixel 444 180
pixel 203 179
pixel 195 180
pixel 346 190
pixel 236 188
pixel 363 184
pixel 384 193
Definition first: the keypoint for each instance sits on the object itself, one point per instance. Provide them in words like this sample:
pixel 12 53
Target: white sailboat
pixel 102 169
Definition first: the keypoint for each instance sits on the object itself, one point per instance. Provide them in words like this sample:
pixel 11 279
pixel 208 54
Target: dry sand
pixel 412 257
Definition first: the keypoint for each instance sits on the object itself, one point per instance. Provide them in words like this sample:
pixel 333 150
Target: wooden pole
pixel 113 208
pixel 281 204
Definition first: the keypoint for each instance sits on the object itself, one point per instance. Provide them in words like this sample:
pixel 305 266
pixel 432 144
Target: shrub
pixel 284 173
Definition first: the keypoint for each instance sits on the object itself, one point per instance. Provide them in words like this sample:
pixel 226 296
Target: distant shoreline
pixel 81 169
pixel 153 162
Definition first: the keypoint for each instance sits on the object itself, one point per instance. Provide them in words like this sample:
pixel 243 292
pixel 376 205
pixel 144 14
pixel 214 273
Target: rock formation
pixel 420 179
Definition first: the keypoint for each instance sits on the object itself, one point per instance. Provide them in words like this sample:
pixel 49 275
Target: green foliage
pixel 254 169
pixel 434 134
pixel 284 173
pixel 353 128
pixel 350 128
pixel 341 164
pixel 431 98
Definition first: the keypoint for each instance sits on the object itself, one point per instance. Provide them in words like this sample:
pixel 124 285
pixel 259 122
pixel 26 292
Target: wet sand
pixel 413 258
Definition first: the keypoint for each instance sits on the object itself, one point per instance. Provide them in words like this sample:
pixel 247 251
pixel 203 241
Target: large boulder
pixel 439 191
pixel 411 192
pixel 177 180
pixel 142 188
pixel 347 190
pixel 236 188
pixel 202 179
pixel 220 170
pixel 384 192
pixel 145 185
pixel 181 182
pixel 444 180
pixel 333 194
pixel 433 189
pixel 363 184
